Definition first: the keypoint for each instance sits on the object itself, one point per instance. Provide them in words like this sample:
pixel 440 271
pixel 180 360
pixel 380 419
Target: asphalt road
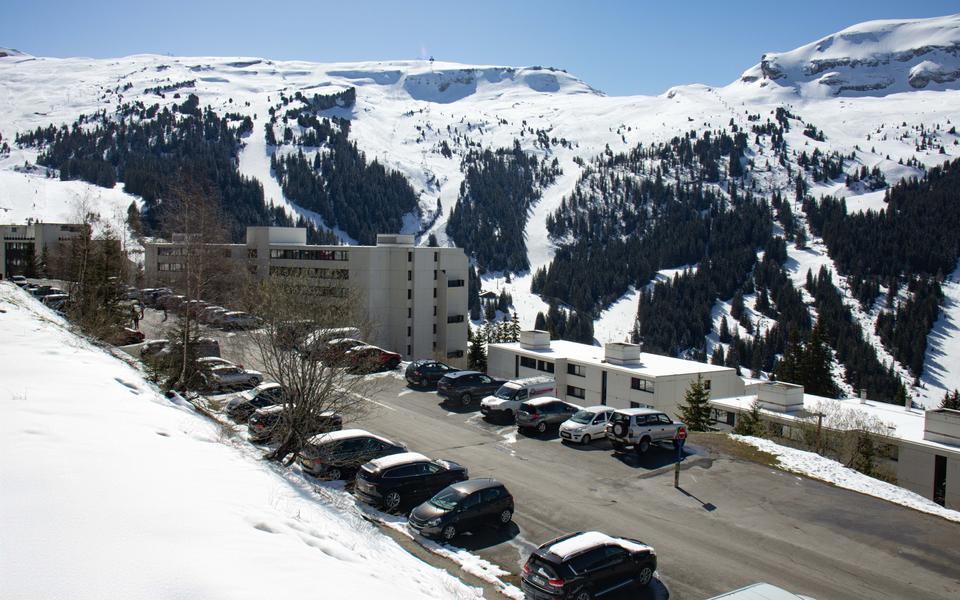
pixel 732 523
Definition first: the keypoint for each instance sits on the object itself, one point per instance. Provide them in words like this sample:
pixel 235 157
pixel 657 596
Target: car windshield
pixel 447 499
pixel 506 393
pixel 583 416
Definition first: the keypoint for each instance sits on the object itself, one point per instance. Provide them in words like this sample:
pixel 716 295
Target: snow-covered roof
pixel 345 434
pixel 649 365
pixel 591 539
pixel 540 401
pixel 596 409
pixel 385 462
pixel 902 423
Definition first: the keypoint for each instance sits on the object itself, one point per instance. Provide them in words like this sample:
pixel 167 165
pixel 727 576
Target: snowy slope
pixel 406 109
pixel 107 490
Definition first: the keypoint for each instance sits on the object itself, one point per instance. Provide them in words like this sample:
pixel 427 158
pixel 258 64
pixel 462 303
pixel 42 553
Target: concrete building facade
pixel 921 448
pixel 415 298
pixel 24 247
pixel 617 375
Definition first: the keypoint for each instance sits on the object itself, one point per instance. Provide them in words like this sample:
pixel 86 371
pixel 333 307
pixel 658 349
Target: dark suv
pixel 463 386
pixel 463 506
pixel 262 426
pixel 240 408
pixel 541 413
pixel 403 480
pixel 426 373
pixel 586 565
pixel 338 454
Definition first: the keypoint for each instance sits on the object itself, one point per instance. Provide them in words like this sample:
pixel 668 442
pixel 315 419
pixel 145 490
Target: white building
pixel 618 375
pixel 921 447
pixel 24 247
pixel 415 297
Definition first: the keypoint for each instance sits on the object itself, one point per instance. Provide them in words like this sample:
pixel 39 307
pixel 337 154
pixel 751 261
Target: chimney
pixel 863 396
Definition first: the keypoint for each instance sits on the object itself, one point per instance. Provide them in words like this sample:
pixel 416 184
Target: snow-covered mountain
pixel 886 93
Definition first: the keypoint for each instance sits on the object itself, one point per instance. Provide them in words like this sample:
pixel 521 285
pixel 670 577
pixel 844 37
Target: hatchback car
pixel 462 507
pixel 370 359
pixel 463 387
pixel 262 425
pixel 231 377
pixel 403 480
pixel 338 455
pixel 587 425
pixel 427 373
pixel 245 403
pixel 238 320
pixel 587 565
pixel 542 413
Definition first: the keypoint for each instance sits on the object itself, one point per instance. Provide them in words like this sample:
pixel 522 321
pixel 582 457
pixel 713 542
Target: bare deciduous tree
pixel 316 379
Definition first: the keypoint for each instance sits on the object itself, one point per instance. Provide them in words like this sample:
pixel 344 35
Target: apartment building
pixel 920 447
pixel 24 248
pixel 415 297
pixel 618 375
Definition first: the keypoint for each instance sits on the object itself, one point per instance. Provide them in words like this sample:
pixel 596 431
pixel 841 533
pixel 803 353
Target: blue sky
pixel 619 47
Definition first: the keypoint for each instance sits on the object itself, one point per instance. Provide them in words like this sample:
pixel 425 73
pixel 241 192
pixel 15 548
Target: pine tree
pixel 736 306
pixel 541 322
pixel 477 353
pixel 750 423
pixel 724 331
pixel 515 328
pixel 951 400
pixel 718 357
pixel 815 366
pixel 695 410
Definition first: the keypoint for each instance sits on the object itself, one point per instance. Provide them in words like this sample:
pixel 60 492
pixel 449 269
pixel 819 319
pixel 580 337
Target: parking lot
pixel 734 522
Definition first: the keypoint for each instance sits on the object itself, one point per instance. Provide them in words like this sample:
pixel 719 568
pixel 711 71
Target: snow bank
pixel 822 468
pixel 107 490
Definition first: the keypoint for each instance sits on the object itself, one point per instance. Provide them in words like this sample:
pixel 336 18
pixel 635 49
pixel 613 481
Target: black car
pixel 587 565
pixel 262 425
pixel 338 454
pixel 461 507
pixel 463 387
pixel 426 373
pixel 244 404
pixel 403 480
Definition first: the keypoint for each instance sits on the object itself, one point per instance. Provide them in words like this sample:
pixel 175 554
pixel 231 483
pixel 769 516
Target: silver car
pixel 542 413
pixel 226 377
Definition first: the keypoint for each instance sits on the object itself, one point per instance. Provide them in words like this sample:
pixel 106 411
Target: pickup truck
pixel 637 428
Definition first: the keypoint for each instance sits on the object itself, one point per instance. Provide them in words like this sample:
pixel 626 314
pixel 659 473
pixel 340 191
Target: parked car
pixel 205 363
pixel 637 428
pixel 588 424
pixel 308 336
pixel 170 301
pixel 338 455
pixel 151 296
pixel 426 372
pixel 506 399
pixel 240 407
pixel 370 359
pixel 55 301
pixel 191 308
pixel 207 312
pixel 587 565
pixel 124 336
pixel 331 352
pixel 544 412
pixel 153 348
pixel 215 317
pixel 238 320
pixel 404 480
pixel 19 281
pixel 231 377
pixel 463 386
pixel 263 423
pixel 462 507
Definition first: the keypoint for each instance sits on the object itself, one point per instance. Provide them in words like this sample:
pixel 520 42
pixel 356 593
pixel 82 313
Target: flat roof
pixel 902 423
pixel 649 365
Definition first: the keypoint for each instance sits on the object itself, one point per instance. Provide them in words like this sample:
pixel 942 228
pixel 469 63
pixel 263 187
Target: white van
pixel 505 401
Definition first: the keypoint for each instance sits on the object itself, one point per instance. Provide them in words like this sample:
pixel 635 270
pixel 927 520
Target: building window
pixel 298 254
pixel 409 312
pixel 409 331
pixel 455 319
pixel 546 367
pixel 576 392
pixel 455 354
pixel 409 294
pixel 409 256
pixel 170 267
pixel 408 350
pixel 434 346
pixel 251 252
pixel 434 329
pixel 526 361
pixel 434 292
pixel 455 283
pixel 436 257
pixel 706 384
pixel 434 310
pixel 409 275
pixel 641 385
pixel 309 272
pixel 634 405
pixel 252 269
pixel 577 370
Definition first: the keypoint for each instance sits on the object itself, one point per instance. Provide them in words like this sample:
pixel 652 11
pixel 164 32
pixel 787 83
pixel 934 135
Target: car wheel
pixel 449 532
pixel 254 382
pixel 585 440
pixel 335 473
pixel 583 595
pixel 466 399
pixel 542 427
pixel 643 446
pixel 505 517
pixel 392 501
pixel 646 574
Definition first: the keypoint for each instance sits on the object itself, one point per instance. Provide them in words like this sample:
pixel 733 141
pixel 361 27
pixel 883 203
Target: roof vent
pixel 621 353
pixel 535 339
